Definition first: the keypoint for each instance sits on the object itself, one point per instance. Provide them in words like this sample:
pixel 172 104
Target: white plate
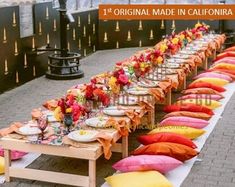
pixel 114 111
pixel 129 100
pixel 28 130
pixel 98 122
pixel 172 65
pixel 89 136
pixel 148 83
pixel 137 91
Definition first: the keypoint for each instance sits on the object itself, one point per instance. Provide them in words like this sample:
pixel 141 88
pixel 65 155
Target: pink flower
pixel 123 79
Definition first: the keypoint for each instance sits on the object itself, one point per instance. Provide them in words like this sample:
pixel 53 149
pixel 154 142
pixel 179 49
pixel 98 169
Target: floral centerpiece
pixel 155 57
pixel 68 106
pixel 96 94
pixel 140 66
pixel 202 27
pixel 118 80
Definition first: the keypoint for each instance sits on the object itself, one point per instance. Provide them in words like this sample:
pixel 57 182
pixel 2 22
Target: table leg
pixel 168 98
pixel 124 146
pixel 7 158
pixel 205 64
pixel 92 173
pixel 194 73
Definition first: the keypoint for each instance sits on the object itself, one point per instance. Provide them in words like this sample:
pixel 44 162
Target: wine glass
pixel 68 122
pixel 42 125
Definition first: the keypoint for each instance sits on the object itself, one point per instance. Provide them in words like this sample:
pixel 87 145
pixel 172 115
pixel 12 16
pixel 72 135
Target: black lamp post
pixel 64 64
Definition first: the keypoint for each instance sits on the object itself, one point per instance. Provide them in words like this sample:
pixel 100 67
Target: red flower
pixel 89 91
pixel 61 104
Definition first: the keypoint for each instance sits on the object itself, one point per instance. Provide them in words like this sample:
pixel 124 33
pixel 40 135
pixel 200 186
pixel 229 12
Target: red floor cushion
pixel 188 107
pixel 166 137
pixel 206 85
pixel 177 151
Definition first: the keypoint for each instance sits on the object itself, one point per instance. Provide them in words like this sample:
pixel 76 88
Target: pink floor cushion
pixel 160 163
pixel 214 75
pixel 15 155
pixel 202 96
pixel 184 121
pixel 228 61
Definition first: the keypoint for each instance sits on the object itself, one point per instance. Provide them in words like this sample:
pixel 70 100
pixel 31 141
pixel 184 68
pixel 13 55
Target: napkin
pixel 120 125
pixel 13 128
pixel 157 93
pixel 106 142
pixel 51 104
pixel 103 138
pixel 135 118
pixel 36 113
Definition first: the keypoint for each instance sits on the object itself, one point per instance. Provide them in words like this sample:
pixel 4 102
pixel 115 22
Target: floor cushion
pixel 160 163
pixel 224 66
pixel 215 97
pixel 15 155
pixel 216 81
pixel 177 151
pixel 199 115
pixel 184 121
pixel 188 107
pixel 166 137
pixel 211 104
pixel 2 165
pixel 138 179
pixel 188 132
pixel 214 75
pixel 200 91
pixel 207 85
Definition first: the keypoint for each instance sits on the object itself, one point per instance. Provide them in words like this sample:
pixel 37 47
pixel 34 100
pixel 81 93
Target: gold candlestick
pixel 16 48
pixel 34 71
pixel 68 27
pixel 105 37
pixel 93 28
pixel 4 35
pixel 6 67
pixel 48 39
pixel 84 31
pixel 47 13
pixel 129 36
pixel 162 24
pixel 33 44
pixel 117 45
pixel 140 43
pixel 25 61
pixel 89 19
pixel 79 44
pixel 74 34
pixel 89 41
pixel 40 28
pixel 68 46
pixel 17 77
pixel 54 25
pixel 117 29
pixel 173 25
pixel 79 21
pixel 151 35
pixel 14 19
pixel 84 52
pixel 140 26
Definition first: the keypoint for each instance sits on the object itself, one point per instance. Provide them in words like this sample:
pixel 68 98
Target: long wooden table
pixel 91 153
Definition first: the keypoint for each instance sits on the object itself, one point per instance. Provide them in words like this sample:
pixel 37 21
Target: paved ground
pixel 216 169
